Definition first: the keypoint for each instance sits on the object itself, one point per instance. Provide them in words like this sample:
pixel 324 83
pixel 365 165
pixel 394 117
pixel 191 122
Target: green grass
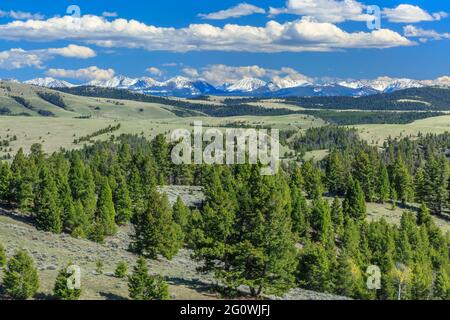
pixel 378 133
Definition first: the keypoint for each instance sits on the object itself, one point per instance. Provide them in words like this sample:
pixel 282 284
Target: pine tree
pixel 105 208
pixel 5 182
pixel 300 213
pixel 181 214
pixel 314 271
pixel 2 256
pixel 402 181
pixel 20 279
pixel 142 286
pixel 122 202
pixel 423 215
pixel 383 186
pixel 335 173
pixel 47 211
pixel 354 202
pixel 364 172
pixel 155 230
pixel 61 290
pixel 121 270
pixel 442 285
pixel 337 216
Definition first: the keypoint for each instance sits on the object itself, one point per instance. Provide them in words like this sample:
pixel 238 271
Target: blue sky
pixel 161 39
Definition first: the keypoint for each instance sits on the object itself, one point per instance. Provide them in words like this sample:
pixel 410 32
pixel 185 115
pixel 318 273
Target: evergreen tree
pixel 335 173
pixel 20 279
pixel 354 202
pixel 121 270
pixel 122 202
pixel 364 173
pixel 337 216
pixel 105 208
pixel 442 284
pixel 181 214
pixel 402 181
pixel 61 290
pixel 314 271
pixel 155 230
pixel 5 182
pixel 47 211
pixel 300 212
pixel 142 286
pixel 383 186
pixel 2 256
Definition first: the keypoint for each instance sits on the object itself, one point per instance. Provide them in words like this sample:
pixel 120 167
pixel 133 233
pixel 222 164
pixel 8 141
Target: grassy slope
pixel 79 106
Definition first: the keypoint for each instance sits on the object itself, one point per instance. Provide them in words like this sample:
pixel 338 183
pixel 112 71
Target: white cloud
pixel 154 71
pixel 334 11
pixel 305 34
pixel 20 15
pixel 412 31
pixel 108 14
pixel 18 58
pixel 73 51
pixel 406 13
pixel 219 74
pixel 90 73
pixel 240 10
pixel 191 72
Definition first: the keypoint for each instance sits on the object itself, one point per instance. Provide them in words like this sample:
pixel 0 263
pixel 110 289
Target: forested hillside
pixel 270 233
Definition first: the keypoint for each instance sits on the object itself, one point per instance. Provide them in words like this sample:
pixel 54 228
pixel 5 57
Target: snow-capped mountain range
pixel 184 87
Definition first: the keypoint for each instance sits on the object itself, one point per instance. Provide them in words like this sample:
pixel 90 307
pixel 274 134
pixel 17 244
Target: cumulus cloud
pixel 155 71
pixel 306 34
pixel 406 13
pixel 412 31
pixel 218 74
pixel 191 72
pixel 334 11
pixel 18 58
pixel 90 73
pixel 240 10
pixel 20 15
pixel 73 51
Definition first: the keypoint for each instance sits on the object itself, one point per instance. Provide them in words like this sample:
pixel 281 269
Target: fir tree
pixel 20 279
pixel 2 256
pixel 383 186
pixel 155 230
pixel 47 211
pixel 122 202
pixel 142 286
pixel 181 214
pixel 121 270
pixel 61 290
pixel 354 202
pixel 105 208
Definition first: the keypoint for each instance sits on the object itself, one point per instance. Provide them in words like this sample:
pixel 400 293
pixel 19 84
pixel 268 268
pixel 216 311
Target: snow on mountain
pixel 49 83
pixel 119 82
pixel 185 87
pixel 285 83
pixel 246 85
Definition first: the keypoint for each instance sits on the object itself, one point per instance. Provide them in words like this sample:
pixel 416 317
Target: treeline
pixel 53 98
pixel 97 133
pixel 370 117
pixel 182 107
pixel 414 99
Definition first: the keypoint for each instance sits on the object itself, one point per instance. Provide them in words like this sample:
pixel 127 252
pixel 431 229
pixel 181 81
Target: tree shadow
pixel 19 217
pixel 111 296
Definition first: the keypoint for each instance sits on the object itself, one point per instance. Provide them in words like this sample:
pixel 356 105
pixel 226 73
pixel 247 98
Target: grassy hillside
pixel 27 100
